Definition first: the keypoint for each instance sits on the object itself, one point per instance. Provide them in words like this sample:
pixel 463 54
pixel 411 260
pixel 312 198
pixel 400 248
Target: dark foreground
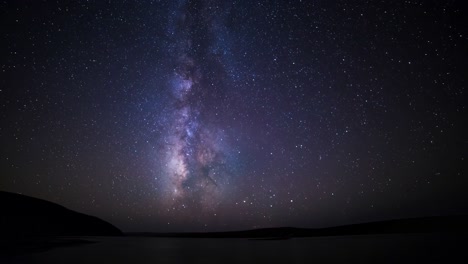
pixel 389 248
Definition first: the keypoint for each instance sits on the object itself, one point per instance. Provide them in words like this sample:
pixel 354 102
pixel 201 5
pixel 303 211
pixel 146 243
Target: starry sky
pixel 204 115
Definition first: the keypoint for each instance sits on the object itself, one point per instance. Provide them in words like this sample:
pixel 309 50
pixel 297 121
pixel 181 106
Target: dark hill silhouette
pixel 437 224
pixel 22 216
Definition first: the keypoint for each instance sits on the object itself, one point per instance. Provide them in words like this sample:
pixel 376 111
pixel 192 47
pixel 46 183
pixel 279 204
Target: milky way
pixel 195 150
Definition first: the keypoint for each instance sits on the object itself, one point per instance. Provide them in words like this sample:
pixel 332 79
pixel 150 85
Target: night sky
pixel 222 115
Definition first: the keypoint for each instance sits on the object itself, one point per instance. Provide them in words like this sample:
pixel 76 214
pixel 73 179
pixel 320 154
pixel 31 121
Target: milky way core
pixel 195 150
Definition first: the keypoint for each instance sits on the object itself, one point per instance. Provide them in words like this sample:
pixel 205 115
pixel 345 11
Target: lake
pixel 396 248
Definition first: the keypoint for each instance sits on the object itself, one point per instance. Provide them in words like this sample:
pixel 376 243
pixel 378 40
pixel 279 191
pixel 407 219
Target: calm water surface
pixel 422 248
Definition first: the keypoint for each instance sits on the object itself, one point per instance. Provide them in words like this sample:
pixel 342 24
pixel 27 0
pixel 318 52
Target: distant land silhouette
pixel 435 224
pixel 24 216
pixel 30 225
